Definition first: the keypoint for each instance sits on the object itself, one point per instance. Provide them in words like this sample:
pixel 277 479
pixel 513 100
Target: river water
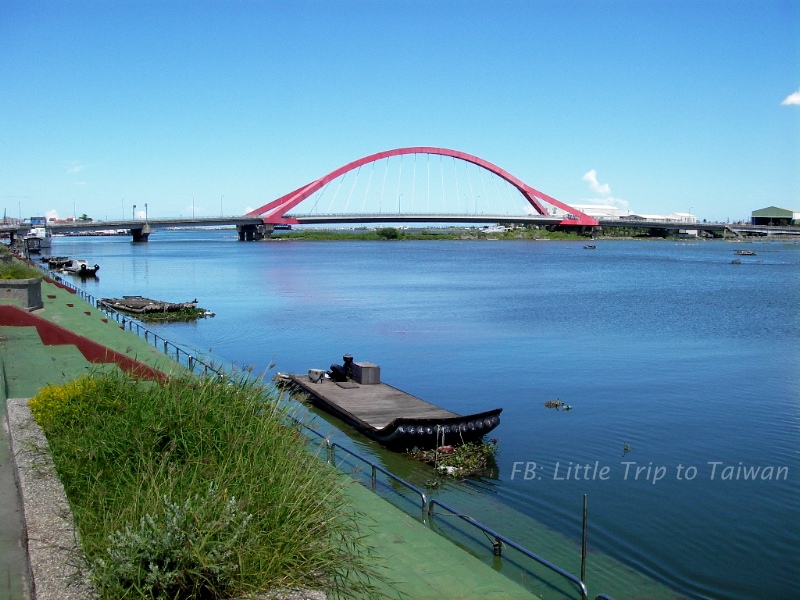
pixel 682 371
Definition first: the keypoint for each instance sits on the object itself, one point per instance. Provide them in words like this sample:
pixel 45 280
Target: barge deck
pixel 387 414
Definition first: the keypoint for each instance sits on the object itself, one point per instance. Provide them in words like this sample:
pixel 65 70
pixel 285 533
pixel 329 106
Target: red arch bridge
pixel 419 184
pixel 405 185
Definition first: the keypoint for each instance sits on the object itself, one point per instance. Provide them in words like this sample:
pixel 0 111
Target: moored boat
pixel 56 262
pixel 77 266
pixel 354 393
pixel 38 240
pixel 745 253
pixel 141 305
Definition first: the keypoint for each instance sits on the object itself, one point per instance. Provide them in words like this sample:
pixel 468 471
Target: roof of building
pixel 776 212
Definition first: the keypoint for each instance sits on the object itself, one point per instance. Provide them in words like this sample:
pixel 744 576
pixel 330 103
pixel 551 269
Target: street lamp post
pixel 145 212
pixel 134 213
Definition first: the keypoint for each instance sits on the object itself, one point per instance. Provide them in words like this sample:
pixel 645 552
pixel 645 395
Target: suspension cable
pixel 413 182
pixel 441 176
pixel 497 192
pixel 352 187
pixel 366 192
pixel 336 195
pixel 319 197
pixel 471 192
pixel 428 184
pixel 483 187
pixel 399 175
pixel 455 178
pixel 385 173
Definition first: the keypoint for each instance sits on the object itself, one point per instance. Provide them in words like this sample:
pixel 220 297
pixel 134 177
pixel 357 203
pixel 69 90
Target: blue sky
pixel 675 105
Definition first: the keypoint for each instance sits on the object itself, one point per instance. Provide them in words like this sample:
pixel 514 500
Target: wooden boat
pixel 354 393
pixel 56 262
pixel 80 267
pixel 141 305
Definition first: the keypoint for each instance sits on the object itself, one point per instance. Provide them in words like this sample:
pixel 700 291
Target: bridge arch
pixel 273 212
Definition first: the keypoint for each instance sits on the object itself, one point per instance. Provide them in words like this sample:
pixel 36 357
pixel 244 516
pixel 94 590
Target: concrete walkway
pixel 422 564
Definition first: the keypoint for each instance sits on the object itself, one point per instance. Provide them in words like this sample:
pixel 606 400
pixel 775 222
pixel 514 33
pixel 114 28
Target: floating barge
pixel 354 393
pixel 139 305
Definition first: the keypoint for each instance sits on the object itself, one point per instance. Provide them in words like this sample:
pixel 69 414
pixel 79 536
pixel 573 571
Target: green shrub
pixel 184 551
pixel 388 233
pixel 195 488
pixel 18 270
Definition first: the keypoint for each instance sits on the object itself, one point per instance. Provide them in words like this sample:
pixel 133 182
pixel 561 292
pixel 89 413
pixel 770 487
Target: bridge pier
pixel 249 233
pixel 141 234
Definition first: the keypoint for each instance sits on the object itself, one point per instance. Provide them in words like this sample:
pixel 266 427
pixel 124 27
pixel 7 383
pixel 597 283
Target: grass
pixel 196 488
pixel 18 270
pixel 455 233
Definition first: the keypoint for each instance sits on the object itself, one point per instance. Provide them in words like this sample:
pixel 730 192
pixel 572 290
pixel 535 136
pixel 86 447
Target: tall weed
pixel 197 488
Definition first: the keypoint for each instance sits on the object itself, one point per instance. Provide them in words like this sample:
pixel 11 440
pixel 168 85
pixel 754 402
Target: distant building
pixel 600 212
pixel 681 218
pixel 775 216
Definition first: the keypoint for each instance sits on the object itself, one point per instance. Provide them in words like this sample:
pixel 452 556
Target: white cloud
pixel 607 201
pixel 591 178
pixel 76 167
pixel 51 214
pixel 792 99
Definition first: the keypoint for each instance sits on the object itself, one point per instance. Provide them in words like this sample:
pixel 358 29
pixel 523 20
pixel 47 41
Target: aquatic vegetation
pixel 458 461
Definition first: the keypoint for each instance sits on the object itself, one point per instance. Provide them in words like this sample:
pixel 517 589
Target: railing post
pixel 583 539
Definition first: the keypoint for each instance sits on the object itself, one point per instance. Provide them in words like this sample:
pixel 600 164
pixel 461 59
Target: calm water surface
pixel 673 359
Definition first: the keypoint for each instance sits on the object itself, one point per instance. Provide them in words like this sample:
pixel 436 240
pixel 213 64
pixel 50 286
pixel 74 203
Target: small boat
pixel 141 305
pixel 745 253
pixel 80 267
pixel 354 393
pixel 56 262
pixel 589 247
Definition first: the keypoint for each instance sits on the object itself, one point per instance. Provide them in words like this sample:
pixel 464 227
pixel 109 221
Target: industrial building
pixel 775 216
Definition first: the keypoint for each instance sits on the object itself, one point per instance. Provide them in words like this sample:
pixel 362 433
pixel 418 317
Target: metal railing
pixel 500 539
pixel 375 469
pixel 428 506
pixel 171 350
